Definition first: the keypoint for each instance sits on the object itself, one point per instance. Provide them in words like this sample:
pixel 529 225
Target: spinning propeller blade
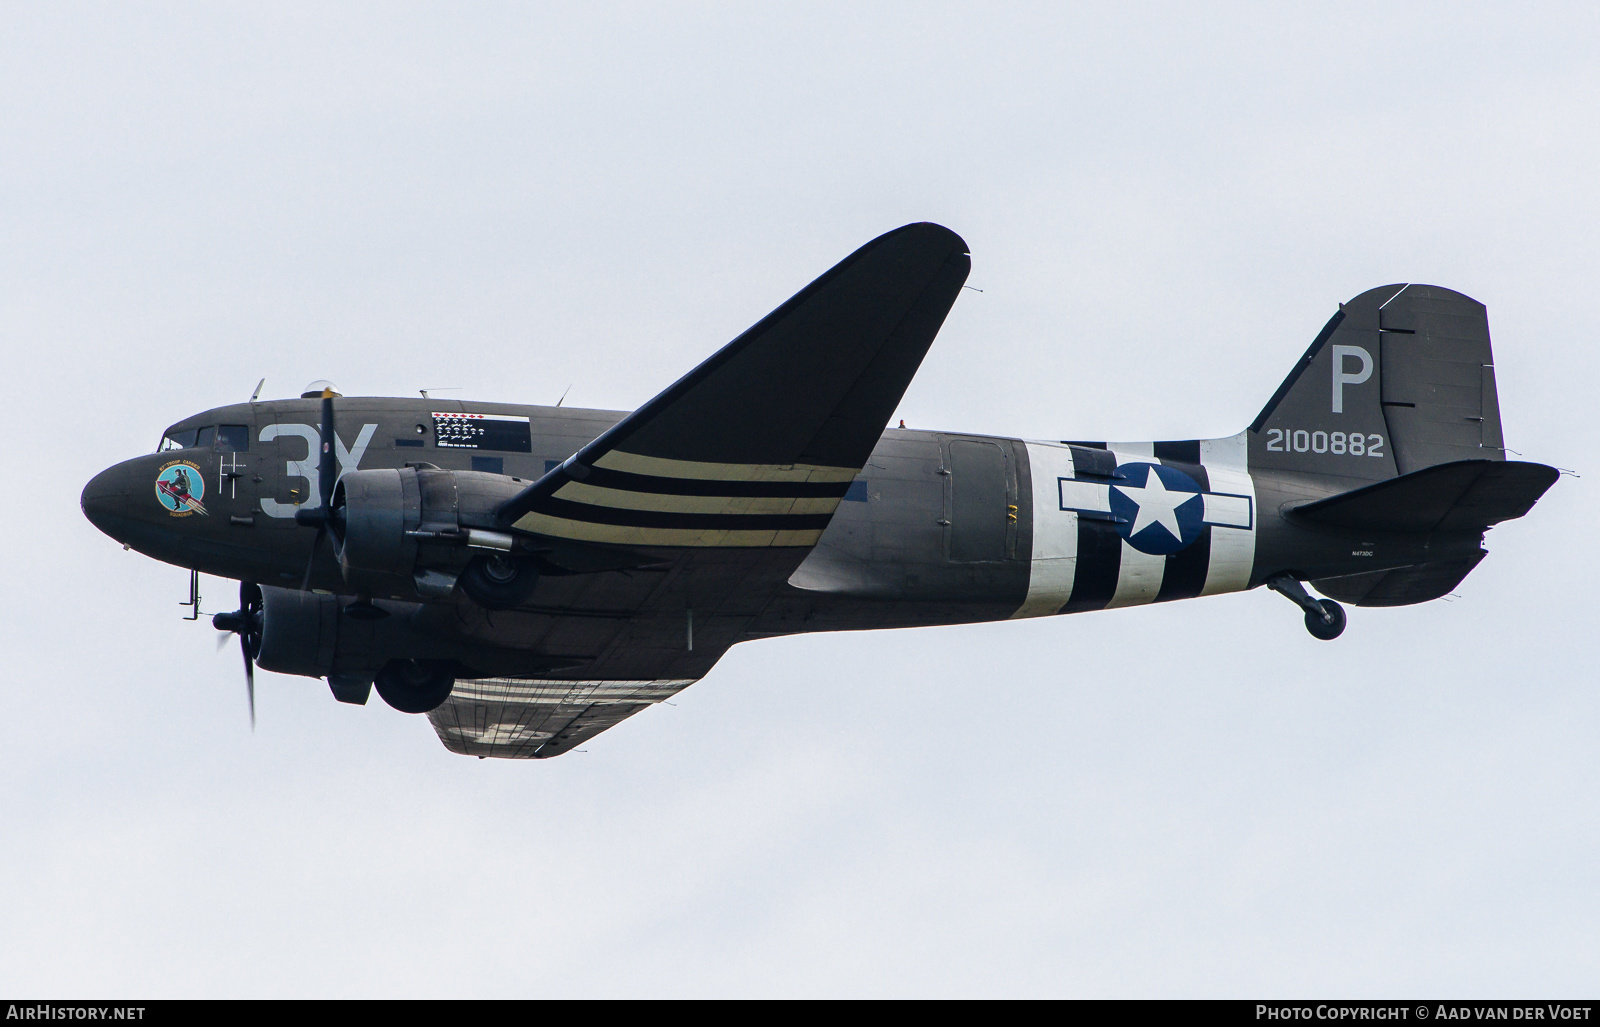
pixel 327 473
pixel 327 464
pixel 246 622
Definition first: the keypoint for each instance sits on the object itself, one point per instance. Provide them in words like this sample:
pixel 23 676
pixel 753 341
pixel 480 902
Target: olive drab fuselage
pixel 530 576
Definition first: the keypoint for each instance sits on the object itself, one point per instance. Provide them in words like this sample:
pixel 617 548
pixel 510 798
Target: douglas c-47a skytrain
pixel 530 576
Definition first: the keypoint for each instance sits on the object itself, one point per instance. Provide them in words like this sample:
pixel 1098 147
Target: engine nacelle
pixel 300 634
pixel 382 513
pixel 310 634
pixel 411 532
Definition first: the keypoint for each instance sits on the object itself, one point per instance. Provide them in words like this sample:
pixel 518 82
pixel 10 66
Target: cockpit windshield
pixel 178 439
pixel 225 438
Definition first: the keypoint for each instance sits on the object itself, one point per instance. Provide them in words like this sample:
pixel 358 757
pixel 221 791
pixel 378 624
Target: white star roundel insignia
pixel 1158 509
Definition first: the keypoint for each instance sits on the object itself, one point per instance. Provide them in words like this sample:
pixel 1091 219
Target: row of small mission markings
pixel 476 431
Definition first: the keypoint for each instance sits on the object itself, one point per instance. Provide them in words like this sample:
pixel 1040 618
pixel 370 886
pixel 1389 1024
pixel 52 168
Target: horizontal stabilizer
pixel 1403 586
pixel 757 446
pixel 1468 495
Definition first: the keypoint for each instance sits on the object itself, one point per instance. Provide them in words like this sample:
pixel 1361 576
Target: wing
pixel 704 501
pixel 519 719
pixel 756 446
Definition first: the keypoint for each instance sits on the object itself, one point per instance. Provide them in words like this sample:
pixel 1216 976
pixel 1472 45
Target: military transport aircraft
pixel 529 576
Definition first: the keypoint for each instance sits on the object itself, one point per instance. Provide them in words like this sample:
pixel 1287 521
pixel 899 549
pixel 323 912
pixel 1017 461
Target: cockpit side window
pixel 208 435
pixel 178 439
pixel 233 438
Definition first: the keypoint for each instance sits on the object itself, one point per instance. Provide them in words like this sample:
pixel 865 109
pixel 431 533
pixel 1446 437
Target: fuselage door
pixel 980 501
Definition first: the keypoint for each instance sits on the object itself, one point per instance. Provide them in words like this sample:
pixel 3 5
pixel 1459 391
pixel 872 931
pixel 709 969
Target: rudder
pixel 1438 378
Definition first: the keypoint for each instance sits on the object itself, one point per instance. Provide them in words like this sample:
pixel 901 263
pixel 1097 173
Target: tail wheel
pixel 498 581
pixel 415 686
pixel 1328 628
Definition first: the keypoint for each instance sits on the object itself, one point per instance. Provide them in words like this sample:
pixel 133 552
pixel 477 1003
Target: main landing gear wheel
pixel 1325 618
pixel 415 686
pixel 1328 626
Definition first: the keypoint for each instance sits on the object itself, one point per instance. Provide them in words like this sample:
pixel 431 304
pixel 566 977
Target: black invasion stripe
pixel 629 482
pixel 1193 468
pixel 1185 574
pixel 662 519
pixel 1099 463
pixel 1099 563
pixel 1178 452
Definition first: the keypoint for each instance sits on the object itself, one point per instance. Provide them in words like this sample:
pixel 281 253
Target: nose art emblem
pixel 180 487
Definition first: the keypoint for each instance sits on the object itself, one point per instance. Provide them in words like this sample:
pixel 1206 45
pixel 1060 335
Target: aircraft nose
pixel 105 499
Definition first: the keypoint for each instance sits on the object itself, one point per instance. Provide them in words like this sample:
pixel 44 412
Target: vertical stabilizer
pixel 1401 378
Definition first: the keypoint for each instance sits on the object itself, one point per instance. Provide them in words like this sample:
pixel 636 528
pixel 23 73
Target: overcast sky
pixel 1164 204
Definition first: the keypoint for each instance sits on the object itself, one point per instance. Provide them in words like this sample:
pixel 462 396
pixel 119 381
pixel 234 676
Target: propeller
pixel 322 517
pixel 245 622
pixel 328 516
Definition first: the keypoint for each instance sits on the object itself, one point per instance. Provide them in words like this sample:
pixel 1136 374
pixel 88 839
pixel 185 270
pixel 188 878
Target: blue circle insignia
pixel 1158 509
pixel 180 487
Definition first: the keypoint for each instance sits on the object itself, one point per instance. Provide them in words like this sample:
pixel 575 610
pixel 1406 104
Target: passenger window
pixel 177 440
pixel 233 438
pixel 207 434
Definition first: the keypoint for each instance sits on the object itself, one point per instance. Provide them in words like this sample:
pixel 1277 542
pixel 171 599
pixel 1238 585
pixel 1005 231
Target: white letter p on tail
pixel 1341 379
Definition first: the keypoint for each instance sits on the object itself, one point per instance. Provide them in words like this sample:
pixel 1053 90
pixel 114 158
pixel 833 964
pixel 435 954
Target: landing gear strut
pixel 1325 618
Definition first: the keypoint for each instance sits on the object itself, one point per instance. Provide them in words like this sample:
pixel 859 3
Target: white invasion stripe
pixel 662 467
pixel 513 718
pixel 1135 450
pixel 1227 511
pixel 1055 531
pixel 630 535
pixel 1233 451
pixel 623 499
pixel 554 691
pixel 1078 495
pixel 1233 549
pixel 1138 577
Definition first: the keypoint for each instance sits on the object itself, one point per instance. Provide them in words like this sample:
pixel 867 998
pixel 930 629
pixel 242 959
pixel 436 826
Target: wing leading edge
pixel 757 445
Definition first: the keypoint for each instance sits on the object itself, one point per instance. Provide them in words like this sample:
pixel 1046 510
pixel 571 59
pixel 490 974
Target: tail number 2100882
pixel 1298 440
